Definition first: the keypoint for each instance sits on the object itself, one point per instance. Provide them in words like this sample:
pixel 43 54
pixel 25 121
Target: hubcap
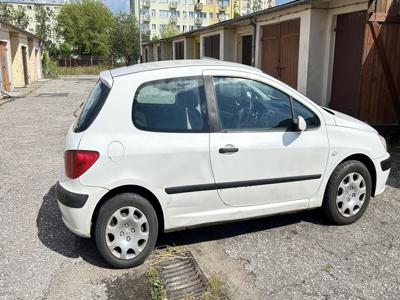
pixel 127 232
pixel 351 194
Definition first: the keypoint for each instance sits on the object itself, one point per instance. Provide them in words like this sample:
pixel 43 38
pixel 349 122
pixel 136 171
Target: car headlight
pixel 383 141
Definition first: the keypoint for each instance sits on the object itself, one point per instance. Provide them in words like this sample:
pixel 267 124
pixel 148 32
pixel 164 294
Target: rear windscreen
pixel 92 107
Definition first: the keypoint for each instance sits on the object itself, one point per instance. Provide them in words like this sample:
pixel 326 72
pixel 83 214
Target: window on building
pixel 190 28
pixel 184 14
pixel 29 7
pixel 153 26
pixel 211 15
pixel 164 13
pixel 171 105
pixel 153 12
pixel 203 15
pixel 184 28
pixel 191 15
pixel 178 27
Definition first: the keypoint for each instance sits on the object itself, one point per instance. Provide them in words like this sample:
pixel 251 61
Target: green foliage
pixel 16 17
pixel 52 50
pixel 49 67
pixel 43 28
pixel 21 20
pixel 6 12
pixel 158 291
pixel 169 31
pixel 125 38
pixel 155 38
pixel 86 25
pixel 216 290
pixel 65 49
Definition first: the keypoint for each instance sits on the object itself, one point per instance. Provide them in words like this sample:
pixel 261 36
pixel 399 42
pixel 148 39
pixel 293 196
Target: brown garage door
pixel 346 75
pixel 280 51
pixel 3 67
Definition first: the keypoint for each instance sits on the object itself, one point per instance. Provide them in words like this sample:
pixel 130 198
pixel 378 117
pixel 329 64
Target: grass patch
pixel 157 288
pixel 82 70
pixel 216 290
pixel 327 268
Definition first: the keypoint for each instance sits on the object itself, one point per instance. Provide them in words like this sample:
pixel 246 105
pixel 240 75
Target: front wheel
pixel 126 230
pixel 348 192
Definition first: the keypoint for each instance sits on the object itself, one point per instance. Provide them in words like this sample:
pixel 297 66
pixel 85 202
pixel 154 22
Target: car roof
pixel 165 64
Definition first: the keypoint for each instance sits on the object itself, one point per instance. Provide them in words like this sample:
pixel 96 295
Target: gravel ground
pixel 296 256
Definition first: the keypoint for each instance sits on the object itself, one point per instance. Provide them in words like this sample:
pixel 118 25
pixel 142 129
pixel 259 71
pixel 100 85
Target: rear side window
pixel 171 105
pixel 92 107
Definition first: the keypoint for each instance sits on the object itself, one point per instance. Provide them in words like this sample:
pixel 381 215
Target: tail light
pixel 78 162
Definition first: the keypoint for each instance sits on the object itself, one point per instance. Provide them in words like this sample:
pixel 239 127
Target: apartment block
pixel 189 15
pixel 51 6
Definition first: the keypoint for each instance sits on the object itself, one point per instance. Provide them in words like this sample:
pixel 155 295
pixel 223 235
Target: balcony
pixel 173 4
pixel 173 19
pixel 222 17
pixel 146 18
pixel 198 6
pixel 198 21
pixel 222 7
pixel 146 3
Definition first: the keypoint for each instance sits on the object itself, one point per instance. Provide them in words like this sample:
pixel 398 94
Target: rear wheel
pixel 126 230
pixel 348 192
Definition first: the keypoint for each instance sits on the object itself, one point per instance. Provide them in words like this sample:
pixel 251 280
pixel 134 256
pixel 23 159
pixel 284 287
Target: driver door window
pixel 245 104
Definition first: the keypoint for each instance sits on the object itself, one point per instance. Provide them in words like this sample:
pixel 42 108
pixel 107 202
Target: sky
pixel 117 6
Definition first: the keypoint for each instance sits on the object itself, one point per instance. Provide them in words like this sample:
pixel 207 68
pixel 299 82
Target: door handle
pixel 228 150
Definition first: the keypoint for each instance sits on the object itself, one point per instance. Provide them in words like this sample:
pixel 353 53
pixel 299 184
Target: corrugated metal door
pixel 280 51
pixel 346 75
pixel 3 66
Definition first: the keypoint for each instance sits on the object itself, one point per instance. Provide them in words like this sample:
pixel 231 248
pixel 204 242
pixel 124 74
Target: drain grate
pixel 53 95
pixel 182 278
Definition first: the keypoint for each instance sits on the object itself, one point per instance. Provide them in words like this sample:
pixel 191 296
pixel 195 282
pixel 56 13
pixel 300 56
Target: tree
pixel 21 20
pixel 6 12
pixel 43 28
pixel 15 17
pixel 169 31
pixel 86 26
pixel 125 38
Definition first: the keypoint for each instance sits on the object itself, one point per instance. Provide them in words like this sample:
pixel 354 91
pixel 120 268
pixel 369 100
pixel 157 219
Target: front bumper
pixel 77 204
pixel 382 167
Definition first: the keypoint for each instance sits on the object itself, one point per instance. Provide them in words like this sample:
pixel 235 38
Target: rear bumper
pixel 77 204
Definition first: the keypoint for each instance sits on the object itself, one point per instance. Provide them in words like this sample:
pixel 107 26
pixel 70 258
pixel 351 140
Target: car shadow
pixel 55 236
pixel 394 176
pixel 232 229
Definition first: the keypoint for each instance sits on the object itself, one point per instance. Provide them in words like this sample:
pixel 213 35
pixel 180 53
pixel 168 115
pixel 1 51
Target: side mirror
pixel 301 124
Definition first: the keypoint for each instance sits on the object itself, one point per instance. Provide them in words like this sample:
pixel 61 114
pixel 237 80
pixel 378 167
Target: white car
pixel 175 144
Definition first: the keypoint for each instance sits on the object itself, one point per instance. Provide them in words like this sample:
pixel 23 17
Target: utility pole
pixel 140 34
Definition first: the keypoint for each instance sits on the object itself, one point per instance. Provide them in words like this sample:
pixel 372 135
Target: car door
pixel 257 156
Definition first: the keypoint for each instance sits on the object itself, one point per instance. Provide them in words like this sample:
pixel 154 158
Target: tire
pixel 340 204
pixel 126 230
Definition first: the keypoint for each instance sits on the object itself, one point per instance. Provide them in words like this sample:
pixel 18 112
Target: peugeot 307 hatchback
pixel 175 144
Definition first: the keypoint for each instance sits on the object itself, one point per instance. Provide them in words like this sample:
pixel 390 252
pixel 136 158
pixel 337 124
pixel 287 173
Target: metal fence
pixel 80 60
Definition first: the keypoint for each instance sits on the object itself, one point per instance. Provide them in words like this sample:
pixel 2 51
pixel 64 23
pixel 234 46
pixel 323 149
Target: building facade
pixel 342 54
pixel 51 6
pixel 20 53
pixel 188 15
